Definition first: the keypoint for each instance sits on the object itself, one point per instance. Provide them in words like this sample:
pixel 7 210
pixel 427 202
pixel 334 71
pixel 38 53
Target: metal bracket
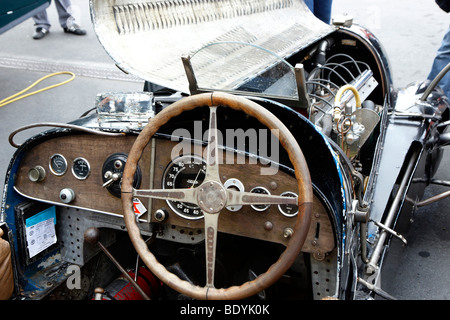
pixel 394 233
pixel 300 78
pixel 376 289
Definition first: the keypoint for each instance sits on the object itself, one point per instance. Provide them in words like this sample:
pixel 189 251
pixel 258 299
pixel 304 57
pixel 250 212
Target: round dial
pixel 58 164
pixel 260 207
pixel 187 171
pixel 288 210
pixel 81 168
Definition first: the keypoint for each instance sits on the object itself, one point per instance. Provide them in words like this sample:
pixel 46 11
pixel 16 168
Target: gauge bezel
pixel 179 206
pixel 289 215
pixel 255 207
pixel 234 183
pixel 51 162
pixel 74 162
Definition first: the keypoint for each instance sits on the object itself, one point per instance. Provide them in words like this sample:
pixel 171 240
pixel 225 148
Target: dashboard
pixel 84 171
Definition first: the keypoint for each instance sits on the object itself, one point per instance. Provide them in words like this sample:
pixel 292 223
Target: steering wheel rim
pixel 305 198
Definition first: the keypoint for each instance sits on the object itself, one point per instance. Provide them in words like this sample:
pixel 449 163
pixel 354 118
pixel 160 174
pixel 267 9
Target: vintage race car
pixel 268 156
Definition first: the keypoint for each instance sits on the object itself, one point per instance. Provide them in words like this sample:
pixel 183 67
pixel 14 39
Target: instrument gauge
pixel 288 210
pixel 186 171
pixel 260 207
pixel 81 168
pixel 58 164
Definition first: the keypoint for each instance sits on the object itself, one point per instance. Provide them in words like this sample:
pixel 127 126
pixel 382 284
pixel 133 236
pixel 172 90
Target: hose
pixel 18 96
pixel 337 100
pixel 435 81
pixel 346 88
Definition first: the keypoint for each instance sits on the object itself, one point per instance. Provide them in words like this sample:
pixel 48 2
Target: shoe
pixel 39 33
pixel 75 30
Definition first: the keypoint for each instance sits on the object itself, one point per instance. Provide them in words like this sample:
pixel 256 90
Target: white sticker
pixel 138 207
pixel 41 233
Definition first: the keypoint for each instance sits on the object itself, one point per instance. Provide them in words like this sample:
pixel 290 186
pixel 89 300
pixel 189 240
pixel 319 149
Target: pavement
pixel 410 31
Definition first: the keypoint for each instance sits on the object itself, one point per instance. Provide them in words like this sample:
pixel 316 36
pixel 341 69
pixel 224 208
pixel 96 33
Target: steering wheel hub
pixel 211 197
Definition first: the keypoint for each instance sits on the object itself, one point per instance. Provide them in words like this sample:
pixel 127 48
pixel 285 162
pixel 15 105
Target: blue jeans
pixel 440 61
pixel 321 9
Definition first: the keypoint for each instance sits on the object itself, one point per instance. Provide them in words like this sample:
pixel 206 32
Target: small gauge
pixel 58 164
pixel 288 210
pixel 237 185
pixel 81 168
pixel 260 207
pixel 187 171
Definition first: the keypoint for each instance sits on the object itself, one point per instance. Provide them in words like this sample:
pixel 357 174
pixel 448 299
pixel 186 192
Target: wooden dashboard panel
pixel 89 193
pixel 269 225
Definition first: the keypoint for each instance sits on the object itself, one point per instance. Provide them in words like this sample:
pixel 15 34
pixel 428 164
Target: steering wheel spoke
pixel 212 151
pixel 211 225
pixel 185 195
pixel 237 198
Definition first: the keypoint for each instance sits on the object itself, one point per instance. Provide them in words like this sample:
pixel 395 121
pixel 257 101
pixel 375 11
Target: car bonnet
pixel 149 38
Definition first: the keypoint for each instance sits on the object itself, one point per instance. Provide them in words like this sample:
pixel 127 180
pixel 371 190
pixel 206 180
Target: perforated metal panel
pixel 72 224
pixel 324 275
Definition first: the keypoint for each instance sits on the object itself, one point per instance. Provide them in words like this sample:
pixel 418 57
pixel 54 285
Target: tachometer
pixel 187 171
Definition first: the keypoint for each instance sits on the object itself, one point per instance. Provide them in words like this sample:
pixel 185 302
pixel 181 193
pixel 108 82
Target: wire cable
pixel 18 96
pixel 60 125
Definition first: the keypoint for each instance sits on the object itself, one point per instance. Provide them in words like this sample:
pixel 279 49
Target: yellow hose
pixel 15 97
pixel 337 99
pixel 346 88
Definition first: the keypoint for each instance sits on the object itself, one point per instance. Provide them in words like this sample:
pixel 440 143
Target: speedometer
pixel 186 171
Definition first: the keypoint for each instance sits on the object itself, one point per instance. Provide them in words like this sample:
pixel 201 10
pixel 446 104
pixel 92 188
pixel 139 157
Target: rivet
pixel 268 226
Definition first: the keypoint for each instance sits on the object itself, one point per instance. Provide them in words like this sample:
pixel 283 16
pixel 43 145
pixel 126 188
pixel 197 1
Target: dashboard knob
pixel 67 195
pixel 288 232
pixel 36 174
pixel 160 215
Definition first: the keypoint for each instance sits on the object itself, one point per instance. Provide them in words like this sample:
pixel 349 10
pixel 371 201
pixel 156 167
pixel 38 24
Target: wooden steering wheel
pixel 211 196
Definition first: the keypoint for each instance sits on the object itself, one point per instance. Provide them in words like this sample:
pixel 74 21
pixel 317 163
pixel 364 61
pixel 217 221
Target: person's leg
pixel 66 19
pixel 322 10
pixel 310 5
pixel 41 20
pixel 440 61
pixel 42 24
pixel 64 10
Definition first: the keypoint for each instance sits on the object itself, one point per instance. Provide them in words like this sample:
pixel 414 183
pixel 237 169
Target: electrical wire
pixel 60 125
pixel 19 95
